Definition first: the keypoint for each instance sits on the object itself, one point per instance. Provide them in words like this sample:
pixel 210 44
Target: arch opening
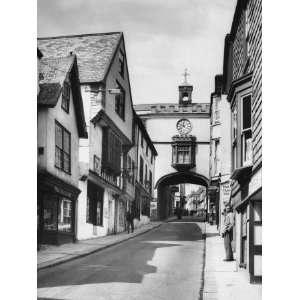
pixel 167 203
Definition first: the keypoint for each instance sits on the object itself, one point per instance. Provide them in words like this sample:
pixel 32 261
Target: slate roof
pixel 94 52
pixel 52 73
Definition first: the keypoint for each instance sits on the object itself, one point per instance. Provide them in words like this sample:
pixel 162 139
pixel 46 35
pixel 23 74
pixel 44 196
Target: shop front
pixel 55 210
pixel 248 222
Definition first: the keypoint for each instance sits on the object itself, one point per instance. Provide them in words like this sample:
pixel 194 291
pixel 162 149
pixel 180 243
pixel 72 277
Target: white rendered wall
pixel 46 139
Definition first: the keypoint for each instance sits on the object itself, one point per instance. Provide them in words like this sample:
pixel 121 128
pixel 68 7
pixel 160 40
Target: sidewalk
pixel 222 281
pixel 51 255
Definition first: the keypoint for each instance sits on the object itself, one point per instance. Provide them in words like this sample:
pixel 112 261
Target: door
pixel 255 242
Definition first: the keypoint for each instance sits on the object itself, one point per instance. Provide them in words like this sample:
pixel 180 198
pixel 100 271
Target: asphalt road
pixel 165 263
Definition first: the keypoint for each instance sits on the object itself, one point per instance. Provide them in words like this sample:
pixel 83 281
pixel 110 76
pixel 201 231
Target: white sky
pixel 162 37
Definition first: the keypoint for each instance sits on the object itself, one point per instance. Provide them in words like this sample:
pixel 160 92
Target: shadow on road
pixel 127 262
pixel 127 266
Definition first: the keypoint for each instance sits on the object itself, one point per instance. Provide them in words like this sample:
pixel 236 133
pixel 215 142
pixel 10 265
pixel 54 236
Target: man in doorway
pixel 129 219
pixel 227 232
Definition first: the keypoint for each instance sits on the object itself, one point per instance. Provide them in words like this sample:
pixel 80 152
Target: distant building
pixel 180 134
pixel 242 73
pixel 145 167
pixel 220 150
pixel 107 189
pixel 60 124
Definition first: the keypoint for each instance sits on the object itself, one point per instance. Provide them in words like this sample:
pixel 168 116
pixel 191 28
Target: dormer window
pixel 65 101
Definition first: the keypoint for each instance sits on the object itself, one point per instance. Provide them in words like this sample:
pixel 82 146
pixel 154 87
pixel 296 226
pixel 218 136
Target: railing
pixel 101 171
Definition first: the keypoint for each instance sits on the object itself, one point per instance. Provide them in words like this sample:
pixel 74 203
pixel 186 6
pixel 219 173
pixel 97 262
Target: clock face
pixel 184 126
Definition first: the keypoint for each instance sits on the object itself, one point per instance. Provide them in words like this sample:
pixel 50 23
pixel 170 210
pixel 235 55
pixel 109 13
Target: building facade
pixel 242 73
pixel 145 172
pixel 106 188
pixel 220 151
pixel 182 145
pixel 60 125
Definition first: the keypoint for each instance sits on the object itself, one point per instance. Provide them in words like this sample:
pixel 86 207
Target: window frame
pixel 141 170
pixel 65 98
pixel 245 131
pixel 121 63
pixel 62 150
pixel 120 102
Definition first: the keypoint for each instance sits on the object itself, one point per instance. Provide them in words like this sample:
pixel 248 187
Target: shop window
pixel 120 102
pixel 246 131
pixel 64 215
pixel 58 213
pixel 62 148
pixel 50 213
pixel 65 100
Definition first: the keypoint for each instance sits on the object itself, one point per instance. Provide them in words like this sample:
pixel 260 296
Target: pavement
pixel 222 280
pixel 51 255
pixel 162 264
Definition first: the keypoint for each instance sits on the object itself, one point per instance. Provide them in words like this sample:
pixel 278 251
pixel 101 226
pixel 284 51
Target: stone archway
pixel 163 185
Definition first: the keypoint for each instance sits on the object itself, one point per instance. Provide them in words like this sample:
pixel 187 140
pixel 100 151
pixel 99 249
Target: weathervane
pixel 185 74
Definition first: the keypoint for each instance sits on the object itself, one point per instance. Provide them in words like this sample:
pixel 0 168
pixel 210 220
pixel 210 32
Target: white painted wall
pixel 46 139
pixel 163 129
pixel 86 230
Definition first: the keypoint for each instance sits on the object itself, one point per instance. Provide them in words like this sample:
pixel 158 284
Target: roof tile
pixel 93 51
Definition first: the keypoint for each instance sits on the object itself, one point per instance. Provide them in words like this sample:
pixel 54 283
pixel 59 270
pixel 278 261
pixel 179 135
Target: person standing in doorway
pixel 130 219
pixel 227 232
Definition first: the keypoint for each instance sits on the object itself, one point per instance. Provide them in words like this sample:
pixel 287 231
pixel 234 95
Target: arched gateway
pixel 180 133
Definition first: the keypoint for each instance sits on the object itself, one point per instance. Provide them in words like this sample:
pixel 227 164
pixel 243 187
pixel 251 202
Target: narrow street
pixel 165 263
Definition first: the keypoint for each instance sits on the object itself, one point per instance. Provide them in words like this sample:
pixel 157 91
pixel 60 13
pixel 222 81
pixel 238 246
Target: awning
pixel 242 173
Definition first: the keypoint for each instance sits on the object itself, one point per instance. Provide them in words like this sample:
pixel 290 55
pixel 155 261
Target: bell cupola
pixel 185 90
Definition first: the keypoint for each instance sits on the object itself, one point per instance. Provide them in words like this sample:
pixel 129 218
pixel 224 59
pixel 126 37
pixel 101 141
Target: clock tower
pixel 185 91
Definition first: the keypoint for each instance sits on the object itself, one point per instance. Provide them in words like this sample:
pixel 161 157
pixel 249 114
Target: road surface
pixel 165 263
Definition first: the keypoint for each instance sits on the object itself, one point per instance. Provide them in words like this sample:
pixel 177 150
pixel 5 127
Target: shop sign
pixel 226 190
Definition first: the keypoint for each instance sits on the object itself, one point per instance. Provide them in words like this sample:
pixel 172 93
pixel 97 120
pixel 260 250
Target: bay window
pixel 183 152
pixel 234 139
